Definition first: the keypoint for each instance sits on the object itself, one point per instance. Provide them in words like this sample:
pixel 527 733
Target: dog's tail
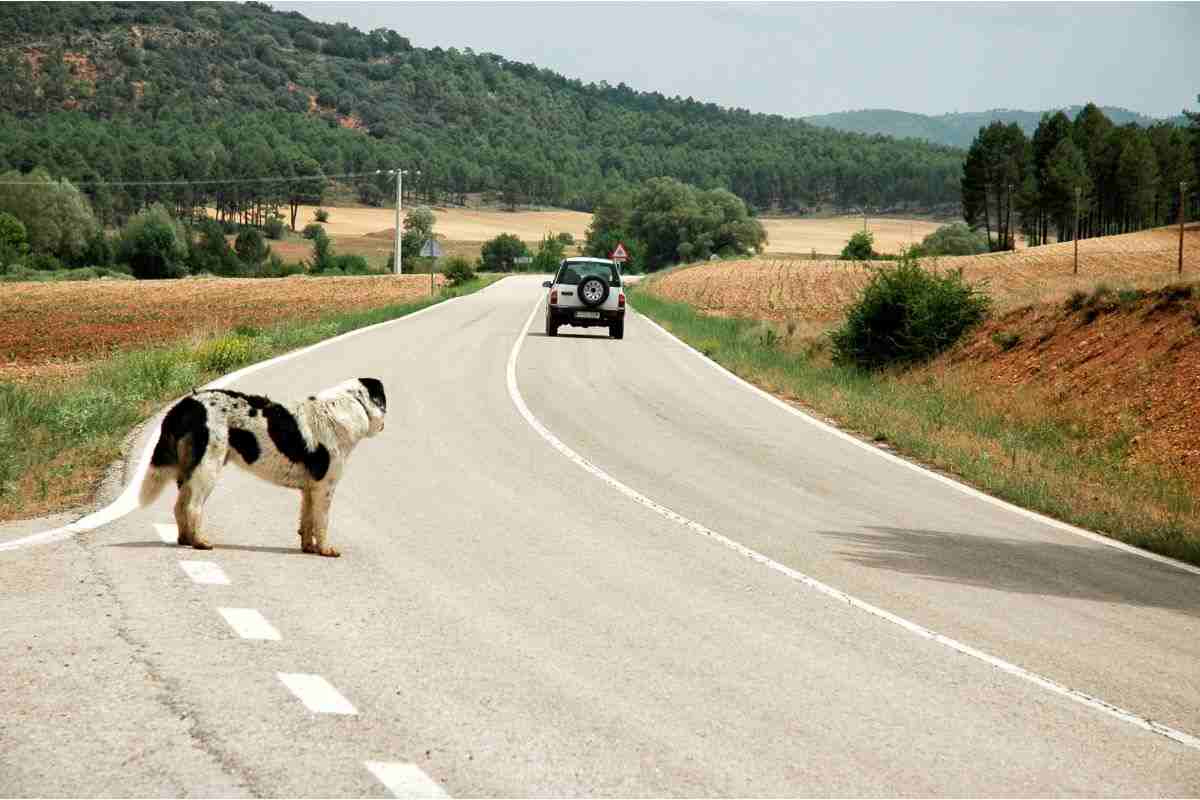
pixel 164 467
pixel 182 440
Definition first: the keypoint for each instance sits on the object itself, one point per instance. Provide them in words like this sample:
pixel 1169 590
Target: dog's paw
pixel 329 552
pixel 202 544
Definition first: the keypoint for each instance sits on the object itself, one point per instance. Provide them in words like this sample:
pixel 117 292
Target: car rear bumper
pixel 570 316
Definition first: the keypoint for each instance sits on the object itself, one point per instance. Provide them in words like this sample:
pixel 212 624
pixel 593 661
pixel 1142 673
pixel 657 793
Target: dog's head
pixel 370 391
pixel 366 393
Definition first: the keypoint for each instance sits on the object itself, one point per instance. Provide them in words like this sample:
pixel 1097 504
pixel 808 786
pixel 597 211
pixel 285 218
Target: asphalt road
pixel 660 621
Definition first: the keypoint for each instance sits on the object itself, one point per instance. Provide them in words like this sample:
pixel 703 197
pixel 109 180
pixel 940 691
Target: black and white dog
pixel 299 445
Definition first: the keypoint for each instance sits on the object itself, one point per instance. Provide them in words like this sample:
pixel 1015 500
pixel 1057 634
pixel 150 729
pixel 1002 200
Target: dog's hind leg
pixel 193 494
pixel 322 497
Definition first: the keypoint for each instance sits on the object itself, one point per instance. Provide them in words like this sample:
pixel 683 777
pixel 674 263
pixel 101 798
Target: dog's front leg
pixel 308 539
pixel 322 497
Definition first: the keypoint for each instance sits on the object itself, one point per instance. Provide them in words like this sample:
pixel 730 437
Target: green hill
pixel 156 91
pixel 956 130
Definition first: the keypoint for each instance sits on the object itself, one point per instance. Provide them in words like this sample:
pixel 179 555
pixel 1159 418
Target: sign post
pixel 620 254
pixel 431 249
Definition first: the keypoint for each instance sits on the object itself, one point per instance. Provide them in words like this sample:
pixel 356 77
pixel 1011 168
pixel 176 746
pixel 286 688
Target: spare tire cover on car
pixel 592 290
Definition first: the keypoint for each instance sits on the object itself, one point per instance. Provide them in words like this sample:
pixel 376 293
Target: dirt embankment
pixel 1122 361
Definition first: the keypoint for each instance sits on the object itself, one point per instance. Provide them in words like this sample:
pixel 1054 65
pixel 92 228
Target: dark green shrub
pixel 499 254
pixel 251 248
pixel 276 267
pixel 274 228
pixel 211 252
pixel 956 239
pixel 321 215
pixel 907 314
pixel 312 230
pixel 352 265
pixel 566 238
pixel 1075 301
pixel 154 245
pixel 43 262
pixel 861 247
pixel 458 270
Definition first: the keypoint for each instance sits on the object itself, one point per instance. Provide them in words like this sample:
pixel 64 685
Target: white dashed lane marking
pixel 204 572
pixel 316 693
pixel 168 533
pixel 249 624
pixel 405 780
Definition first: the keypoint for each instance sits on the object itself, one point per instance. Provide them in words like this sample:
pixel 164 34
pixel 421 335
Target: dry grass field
pixel 815 292
pixel 799 236
pixel 50 330
pixel 462 231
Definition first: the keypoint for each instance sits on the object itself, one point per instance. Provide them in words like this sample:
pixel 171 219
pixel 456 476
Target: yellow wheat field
pixel 805 291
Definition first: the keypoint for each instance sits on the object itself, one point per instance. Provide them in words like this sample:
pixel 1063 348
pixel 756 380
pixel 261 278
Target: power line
pixel 209 181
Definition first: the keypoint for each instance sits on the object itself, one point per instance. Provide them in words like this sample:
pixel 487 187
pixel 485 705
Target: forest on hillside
pixel 142 92
pixel 1112 178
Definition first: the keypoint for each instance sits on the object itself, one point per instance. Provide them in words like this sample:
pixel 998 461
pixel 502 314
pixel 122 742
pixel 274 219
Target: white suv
pixel 586 292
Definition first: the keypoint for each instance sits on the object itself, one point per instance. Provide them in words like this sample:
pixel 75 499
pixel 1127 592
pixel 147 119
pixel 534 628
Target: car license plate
pixel 587 315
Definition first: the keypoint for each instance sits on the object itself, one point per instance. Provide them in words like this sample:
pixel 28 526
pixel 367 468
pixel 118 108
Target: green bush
pixel 1006 340
pixel 458 271
pixel 154 245
pixel 276 267
pixel 274 228
pixel 566 238
pixel 499 254
pixel 321 215
pixel 322 258
pixel 43 262
pixel 251 248
pixel 907 314
pixel 861 247
pixel 352 265
pixel 12 232
pixel 956 239
pixel 312 230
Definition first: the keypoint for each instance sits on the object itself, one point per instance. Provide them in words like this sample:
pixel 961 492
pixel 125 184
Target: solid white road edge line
pixel 127 502
pixel 204 572
pixel 405 780
pixel 1004 666
pixel 249 624
pixel 895 459
pixel 168 533
pixel 317 694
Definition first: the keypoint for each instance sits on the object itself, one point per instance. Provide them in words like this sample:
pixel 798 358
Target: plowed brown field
pixel 819 291
pixel 54 329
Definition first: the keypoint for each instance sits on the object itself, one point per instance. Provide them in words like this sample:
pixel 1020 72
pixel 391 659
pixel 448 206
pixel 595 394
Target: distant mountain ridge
pixel 958 129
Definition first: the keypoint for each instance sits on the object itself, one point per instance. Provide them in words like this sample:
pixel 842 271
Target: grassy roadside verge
pixel 1039 459
pixel 56 441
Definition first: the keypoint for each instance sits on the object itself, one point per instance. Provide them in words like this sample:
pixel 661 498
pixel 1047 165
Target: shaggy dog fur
pixel 299 445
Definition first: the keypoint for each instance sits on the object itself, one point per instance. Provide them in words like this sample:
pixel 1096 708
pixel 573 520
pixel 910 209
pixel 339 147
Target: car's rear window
pixel 573 272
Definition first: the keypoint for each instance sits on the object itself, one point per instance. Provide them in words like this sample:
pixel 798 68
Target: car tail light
pixel 554 297
pixel 621 300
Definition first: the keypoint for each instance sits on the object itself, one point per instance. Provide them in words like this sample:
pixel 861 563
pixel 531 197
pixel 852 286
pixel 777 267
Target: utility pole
pixel 1182 189
pixel 1078 191
pixel 399 199
pixel 396 257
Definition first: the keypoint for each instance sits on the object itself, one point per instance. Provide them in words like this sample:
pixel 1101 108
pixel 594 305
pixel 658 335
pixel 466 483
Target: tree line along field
pixel 367 231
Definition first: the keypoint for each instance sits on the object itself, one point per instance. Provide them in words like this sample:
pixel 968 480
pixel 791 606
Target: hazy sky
pixel 812 58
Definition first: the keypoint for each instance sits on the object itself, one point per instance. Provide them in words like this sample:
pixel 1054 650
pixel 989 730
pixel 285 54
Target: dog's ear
pixel 375 391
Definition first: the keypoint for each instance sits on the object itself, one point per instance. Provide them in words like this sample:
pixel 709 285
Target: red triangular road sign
pixel 620 254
